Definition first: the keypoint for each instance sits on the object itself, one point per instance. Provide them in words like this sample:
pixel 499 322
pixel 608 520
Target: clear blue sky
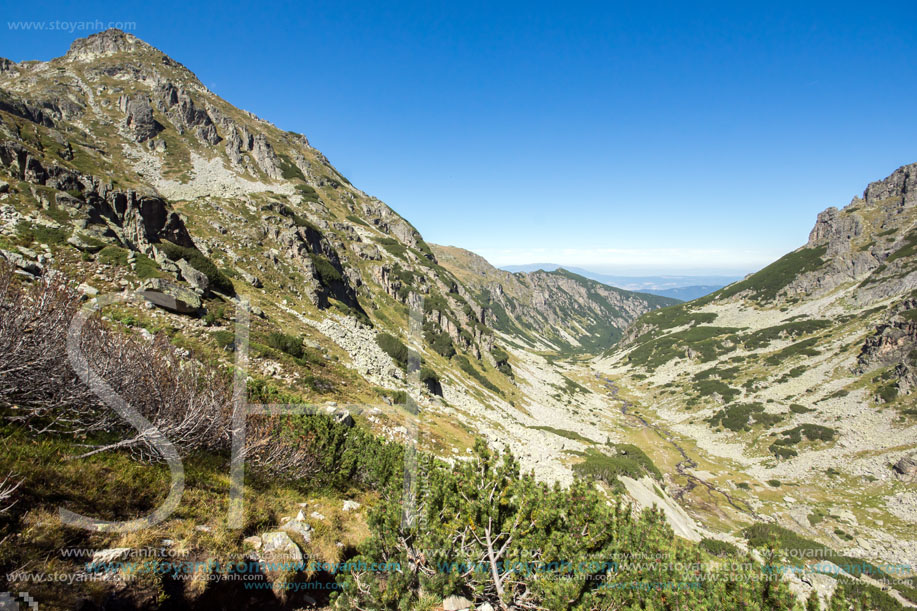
pixel 639 137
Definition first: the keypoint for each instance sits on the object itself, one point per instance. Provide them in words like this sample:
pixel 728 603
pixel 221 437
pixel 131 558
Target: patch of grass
pixel 393 246
pixel 800 409
pixel 774 483
pixel 40 234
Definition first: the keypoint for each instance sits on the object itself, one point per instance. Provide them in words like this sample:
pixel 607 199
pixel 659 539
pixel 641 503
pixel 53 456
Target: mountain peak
pixel 109 42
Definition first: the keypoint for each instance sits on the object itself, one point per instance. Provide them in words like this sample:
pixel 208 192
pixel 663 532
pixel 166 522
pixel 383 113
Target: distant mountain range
pixel 684 288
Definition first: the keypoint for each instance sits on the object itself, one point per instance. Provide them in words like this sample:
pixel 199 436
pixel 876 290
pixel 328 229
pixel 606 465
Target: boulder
pixel 351 506
pixel 253 542
pixel 906 468
pixel 252 280
pixel 192 276
pixel 277 546
pixel 17 260
pixel 83 243
pixel 88 290
pixel 456 603
pixel 298 526
pixel 170 296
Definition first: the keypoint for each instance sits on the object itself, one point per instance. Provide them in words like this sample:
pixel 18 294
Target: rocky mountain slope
pixel 802 374
pixel 557 311
pixel 122 170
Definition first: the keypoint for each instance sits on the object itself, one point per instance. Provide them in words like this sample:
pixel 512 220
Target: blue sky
pixel 688 137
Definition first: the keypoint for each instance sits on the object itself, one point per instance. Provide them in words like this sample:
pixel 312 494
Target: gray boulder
pixel 299 527
pixel 277 546
pixel 252 280
pixel 170 296
pixel 192 276
pixel 456 603
pixel 17 260
pixel 906 468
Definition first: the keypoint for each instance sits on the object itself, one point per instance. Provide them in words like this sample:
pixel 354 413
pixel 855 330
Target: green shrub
pixel 466 366
pixel 706 342
pixel 438 340
pixel 803 348
pixel 501 358
pixel 706 388
pixel 908 249
pixel 742 416
pixel 308 193
pixel 113 255
pixel 718 548
pixel 430 379
pixel 888 392
pixel 763 337
pixel 286 343
pixel 393 347
pixel 327 273
pixel 290 170
pixel 224 339
pixel 562 433
pixel 392 245
pixel 398 397
pixel 622 459
pixel 355 219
